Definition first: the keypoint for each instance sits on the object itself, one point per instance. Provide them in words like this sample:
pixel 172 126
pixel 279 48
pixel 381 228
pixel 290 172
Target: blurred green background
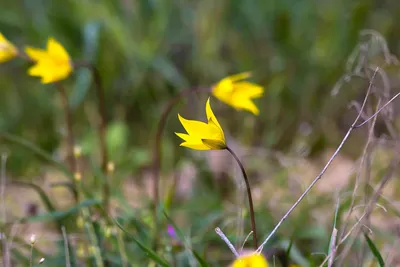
pixel 148 51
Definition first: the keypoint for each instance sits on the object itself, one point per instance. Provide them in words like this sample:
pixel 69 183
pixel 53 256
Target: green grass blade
pixel 149 251
pixel 200 260
pixel 42 194
pixel 289 248
pixel 57 215
pixel 374 250
pixel 36 150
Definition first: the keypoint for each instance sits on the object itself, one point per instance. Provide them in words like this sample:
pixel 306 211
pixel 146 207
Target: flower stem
pixel 68 122
pixel 102 132
pixel 70 135
pixel 246 180
pixel 102 125
pixel 157 152
pixel 102 111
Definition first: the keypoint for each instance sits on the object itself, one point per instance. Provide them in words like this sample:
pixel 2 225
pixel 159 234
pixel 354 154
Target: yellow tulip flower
pixel 237 93
pixel 250 260
pixel 52 64
pixel 7 50
pixel 201 135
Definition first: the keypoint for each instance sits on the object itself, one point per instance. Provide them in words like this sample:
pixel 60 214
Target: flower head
pixel 7 50
pixel 52 64
pixel 239 94
pixel 171 231
pixel 201 135
pixel 250 260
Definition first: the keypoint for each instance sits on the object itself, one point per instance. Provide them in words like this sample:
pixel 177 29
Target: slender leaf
pixel 289 248
pixel 36 150
pixel 42 194
pixel 57 215
pixel 201 261
pixel 374 250
pixel 149 251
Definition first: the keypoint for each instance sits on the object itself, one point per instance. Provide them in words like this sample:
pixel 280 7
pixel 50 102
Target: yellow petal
pixel 195 146
pixel 226 84
pixel 56 50
pixel 239 76
pixel 253 260
pixel 237 93
pixel 7 49
pixel 246 104
pixel 35 54
pixel 200 135
pixel 210 114
pixel 214 144
pixel 185 137
pixel 217 130
pixel 194 128
pixel 36 70
pixel 2 38
pixel 51 67
pixel 248 89
pixel 48 79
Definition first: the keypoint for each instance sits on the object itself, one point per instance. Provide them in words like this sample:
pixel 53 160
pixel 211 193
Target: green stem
pixel 122 251
pixel 36 150
pixel 70 135
pixel 68 122
pixel 246 180
pixel 31 257
pixel 102 125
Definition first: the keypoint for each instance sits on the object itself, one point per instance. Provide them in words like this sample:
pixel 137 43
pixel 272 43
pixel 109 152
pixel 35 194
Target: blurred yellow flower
pixel 7 50
pixel 52 64
pixel 201 135
pixel 239 94
pixel 250 260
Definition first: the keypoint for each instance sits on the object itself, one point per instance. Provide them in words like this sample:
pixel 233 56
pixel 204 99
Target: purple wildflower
pixel 171 231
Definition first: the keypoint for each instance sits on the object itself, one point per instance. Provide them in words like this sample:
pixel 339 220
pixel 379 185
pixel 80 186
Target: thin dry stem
pixel 319 176
pixel 369 208
pixel 393 166
pixel 378 111
pixel 364 157
pixel 226 240
pixel 333 247
pixel 342 240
